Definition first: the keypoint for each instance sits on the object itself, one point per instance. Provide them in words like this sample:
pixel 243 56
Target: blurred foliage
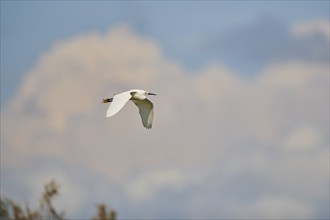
pixel 10 210
pixel 102 213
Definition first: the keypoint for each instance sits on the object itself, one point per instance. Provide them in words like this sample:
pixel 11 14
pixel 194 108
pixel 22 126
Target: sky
pixel 241 125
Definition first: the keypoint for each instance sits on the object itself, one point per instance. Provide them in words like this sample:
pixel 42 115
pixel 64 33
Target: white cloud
pixel 312 27
pixel 213 124
pixel 304 138
pixel 294 75
pixel 278 207
pixel 146 186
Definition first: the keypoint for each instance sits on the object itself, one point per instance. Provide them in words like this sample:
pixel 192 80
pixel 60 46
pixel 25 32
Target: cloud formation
pixel 220 142
pixel 267 39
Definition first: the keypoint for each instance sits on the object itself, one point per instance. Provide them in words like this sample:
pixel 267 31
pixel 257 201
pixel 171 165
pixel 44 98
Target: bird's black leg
pixel 107 100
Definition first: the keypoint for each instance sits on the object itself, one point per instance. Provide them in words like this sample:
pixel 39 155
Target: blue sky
pixel 241 115
pixel 183 29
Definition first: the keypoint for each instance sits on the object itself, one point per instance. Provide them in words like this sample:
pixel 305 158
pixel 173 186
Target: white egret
pixel 139 97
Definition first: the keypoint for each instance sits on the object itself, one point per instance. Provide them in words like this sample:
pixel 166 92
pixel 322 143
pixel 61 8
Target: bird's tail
pixel 107 100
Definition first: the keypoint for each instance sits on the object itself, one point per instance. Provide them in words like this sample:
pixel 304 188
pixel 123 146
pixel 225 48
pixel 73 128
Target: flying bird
pixel 139 97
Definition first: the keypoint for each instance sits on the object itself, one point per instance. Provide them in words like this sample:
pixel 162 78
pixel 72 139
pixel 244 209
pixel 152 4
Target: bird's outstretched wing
pixel 146 111
pixel 118 103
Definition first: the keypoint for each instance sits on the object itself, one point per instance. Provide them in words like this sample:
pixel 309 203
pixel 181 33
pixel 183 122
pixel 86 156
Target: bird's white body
pixel 139 97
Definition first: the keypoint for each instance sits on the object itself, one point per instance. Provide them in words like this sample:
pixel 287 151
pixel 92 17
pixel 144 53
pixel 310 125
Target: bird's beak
pixel 149 93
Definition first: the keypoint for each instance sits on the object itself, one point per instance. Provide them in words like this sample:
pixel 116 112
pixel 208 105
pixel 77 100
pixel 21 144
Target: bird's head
pixel 140 94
